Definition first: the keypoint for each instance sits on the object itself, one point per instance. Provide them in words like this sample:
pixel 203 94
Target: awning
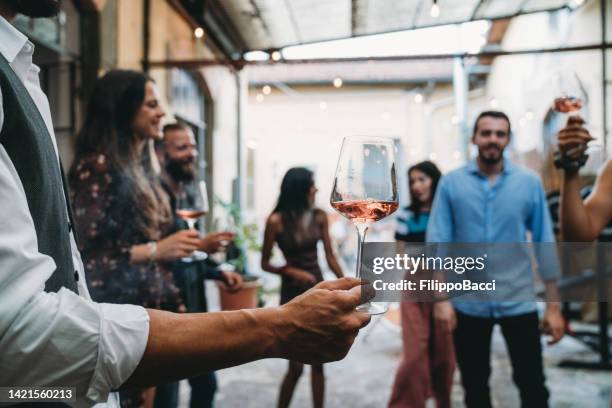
pixel 275 24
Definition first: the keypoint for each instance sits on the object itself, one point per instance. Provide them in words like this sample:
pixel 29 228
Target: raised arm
pixel 582 221
pixel 317 326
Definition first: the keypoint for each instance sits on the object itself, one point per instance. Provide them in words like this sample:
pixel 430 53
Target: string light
pixel 276 56
pixel 266 89
pixel 338 82
pixel 435 9
pixel 418 98
pixel 198 32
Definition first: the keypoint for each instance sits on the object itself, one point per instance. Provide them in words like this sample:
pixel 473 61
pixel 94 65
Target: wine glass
pixel 571 98
pixel 224 224
pixel 365 190
pixel 191 205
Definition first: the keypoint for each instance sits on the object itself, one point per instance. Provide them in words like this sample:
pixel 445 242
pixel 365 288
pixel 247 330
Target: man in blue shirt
pixel 491 200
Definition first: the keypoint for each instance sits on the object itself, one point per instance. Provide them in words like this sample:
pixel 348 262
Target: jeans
pixel 473 350
pixel 203 390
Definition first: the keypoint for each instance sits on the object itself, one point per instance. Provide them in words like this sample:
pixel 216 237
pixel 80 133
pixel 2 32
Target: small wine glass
pixel 571 98
pixel 365 190
pixel 191 205
pixel 224 224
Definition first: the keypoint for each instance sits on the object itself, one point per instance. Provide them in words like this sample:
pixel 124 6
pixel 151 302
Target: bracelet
pixel 565 163
pixel 152 251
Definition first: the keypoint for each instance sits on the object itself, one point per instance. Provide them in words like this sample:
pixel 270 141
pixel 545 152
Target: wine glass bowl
pixel 365 190
pixel 190 208
pixel 571 98
pixel 570 93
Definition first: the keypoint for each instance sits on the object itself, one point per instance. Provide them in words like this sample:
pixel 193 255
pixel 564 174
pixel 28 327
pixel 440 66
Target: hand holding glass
pixel 365 190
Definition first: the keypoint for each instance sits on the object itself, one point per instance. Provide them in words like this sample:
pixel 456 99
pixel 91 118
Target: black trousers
pixel 473 349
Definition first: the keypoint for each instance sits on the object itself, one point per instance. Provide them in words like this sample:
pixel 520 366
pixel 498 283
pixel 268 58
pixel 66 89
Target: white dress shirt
pixel 52 339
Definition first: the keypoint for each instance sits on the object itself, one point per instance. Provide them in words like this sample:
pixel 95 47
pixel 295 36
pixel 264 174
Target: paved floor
pixel 364 378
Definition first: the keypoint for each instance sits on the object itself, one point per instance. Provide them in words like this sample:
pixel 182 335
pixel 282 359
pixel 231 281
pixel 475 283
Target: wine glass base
pixel 199 256
pixel 372 308
pixel 196 256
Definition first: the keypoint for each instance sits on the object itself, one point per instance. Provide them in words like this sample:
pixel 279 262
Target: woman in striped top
pixel 428 361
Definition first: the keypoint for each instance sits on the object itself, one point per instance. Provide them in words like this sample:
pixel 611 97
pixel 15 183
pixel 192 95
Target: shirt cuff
pixel 124 332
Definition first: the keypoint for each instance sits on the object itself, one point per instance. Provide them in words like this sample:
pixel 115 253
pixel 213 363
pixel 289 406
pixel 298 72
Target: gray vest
pixel 26 139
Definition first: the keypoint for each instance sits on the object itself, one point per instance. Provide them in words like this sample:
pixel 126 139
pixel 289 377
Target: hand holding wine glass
pixel 573 138
pixel 365 190
pixel 571 100
pixel 225 225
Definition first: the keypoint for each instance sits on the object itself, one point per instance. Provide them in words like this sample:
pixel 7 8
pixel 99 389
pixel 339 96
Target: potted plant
pixel 249 296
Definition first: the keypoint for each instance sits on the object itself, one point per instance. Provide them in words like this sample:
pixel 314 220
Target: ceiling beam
pixel 354 13
pixel 499 53
pixel 477 9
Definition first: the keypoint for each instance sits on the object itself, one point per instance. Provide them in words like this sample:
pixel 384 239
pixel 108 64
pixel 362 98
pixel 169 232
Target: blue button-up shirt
pixel 469 208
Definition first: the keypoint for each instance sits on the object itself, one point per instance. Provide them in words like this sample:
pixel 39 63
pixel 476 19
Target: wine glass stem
pixel 191 224
pixel 362 229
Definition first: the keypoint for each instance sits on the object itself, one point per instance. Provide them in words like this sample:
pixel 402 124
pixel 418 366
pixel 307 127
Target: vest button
pixel 76 276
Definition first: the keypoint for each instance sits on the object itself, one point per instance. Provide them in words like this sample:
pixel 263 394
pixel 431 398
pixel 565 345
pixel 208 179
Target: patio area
pixel 365 377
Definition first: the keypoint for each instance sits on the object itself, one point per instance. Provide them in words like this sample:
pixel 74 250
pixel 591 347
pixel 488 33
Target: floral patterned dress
pixel 104 213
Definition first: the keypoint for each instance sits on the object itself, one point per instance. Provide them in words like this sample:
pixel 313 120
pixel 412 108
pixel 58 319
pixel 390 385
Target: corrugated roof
pixel 272 24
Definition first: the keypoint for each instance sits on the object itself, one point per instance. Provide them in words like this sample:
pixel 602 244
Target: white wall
pixel 293 130
pixel 222 86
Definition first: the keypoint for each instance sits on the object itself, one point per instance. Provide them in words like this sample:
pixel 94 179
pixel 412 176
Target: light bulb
pixel 276 56
pixel 198 32
pixel 435 10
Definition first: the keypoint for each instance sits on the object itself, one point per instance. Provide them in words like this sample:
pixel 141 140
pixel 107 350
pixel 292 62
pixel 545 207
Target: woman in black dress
pixel 297 227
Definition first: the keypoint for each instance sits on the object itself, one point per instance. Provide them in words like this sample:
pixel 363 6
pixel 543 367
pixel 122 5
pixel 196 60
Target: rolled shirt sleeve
pixel 56 339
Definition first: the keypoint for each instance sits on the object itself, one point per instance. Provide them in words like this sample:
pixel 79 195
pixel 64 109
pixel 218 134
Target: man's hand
pixel 232 280
pixel 213 243
pixel 320 325
pixel 573 138
pixel 553 323
pixel 177 245
pixel 444 315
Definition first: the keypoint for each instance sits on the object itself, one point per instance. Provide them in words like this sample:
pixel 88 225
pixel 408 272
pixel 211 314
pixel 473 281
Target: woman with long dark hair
pixel 297 227
pixel 428 361
pixel 121 211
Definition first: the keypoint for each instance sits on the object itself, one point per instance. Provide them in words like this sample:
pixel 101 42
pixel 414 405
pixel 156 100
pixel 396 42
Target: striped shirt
pixel 410 227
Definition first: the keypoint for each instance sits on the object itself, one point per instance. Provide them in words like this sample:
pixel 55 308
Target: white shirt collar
pixel 11 40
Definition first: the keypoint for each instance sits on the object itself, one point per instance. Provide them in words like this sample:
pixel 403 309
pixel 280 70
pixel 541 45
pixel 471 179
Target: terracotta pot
pixel 245 298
